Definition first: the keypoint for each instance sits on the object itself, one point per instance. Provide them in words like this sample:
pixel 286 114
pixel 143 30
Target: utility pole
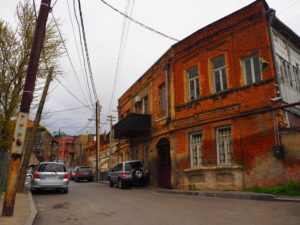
pixel 97 138
pixel 29 147
pixel 22 118
pixel 111 118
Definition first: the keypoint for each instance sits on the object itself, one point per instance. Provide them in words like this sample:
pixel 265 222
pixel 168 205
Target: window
pixel 120 157
pixel 296 72
pixel 127 156
pixel 145 105
pixel 195 149
pixel 162 96
pixel 119 167
pixel 138 107
pixel 194 91
pixel 219 73
pixel 252 69
pixel 224 145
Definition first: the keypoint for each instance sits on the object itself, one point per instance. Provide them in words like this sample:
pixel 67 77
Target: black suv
pixel 128 173
pixel 83 173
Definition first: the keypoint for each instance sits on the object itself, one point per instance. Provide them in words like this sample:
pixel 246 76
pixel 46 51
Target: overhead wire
pixel 77 49
pixel 82 51
pixel 65 110
pixel 125 29
pixel 68 55
pixel 87 52
pixel 72 94
pixel 139 23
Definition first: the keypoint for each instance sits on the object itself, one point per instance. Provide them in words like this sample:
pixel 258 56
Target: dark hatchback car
pixel 83 173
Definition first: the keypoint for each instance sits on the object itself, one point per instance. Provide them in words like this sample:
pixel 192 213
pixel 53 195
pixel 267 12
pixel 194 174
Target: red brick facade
pixel 237 119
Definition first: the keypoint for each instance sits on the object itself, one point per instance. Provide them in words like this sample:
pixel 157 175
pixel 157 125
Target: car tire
pixel 120 184
pixel 111 184
pixel 66 190
pixel 91 180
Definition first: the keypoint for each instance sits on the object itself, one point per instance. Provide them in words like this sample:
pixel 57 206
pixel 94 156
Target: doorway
pixel 164 163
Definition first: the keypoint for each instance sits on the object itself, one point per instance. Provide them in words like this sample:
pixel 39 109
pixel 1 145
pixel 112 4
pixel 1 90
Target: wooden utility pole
pixel 97 138
pixel 22 118
pixel 111 137
pixel 30 143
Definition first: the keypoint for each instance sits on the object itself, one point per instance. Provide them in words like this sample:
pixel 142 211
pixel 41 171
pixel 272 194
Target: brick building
pixel 220 109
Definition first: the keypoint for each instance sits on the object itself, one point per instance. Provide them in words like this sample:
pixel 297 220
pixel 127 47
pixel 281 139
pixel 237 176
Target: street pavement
pixel 97 203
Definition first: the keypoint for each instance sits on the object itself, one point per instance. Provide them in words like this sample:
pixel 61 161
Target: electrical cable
pixel 82 52
pixel 122 46
pixel 65 47
pixel 65 110
pixel 139 23
pixel 87 52
pixel 80 59
pixel 72 94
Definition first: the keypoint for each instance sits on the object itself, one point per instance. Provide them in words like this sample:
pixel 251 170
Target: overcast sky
pixel 103 26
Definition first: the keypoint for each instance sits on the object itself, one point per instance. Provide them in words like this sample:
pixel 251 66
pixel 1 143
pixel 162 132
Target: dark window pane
pixel 219 62
pixel 133 165
pixel 192 89
pixel 197 88
pixel 248 71
pixel 257 74
pixel 193 72
pixel 217 80
pixel 49 167
pixel 224 80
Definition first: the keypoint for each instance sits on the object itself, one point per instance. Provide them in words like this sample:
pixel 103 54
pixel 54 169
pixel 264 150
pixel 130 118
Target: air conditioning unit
pixel 137 99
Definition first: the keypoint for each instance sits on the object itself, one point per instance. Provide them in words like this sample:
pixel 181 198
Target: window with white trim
pixel 162 96
pixel 219 73
pixel 224 145
pixel 252 71
pixel 194 90
pixel 195 143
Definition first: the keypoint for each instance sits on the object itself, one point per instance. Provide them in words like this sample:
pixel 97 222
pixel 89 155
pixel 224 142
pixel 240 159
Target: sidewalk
pixel 24 211
pixel 233 194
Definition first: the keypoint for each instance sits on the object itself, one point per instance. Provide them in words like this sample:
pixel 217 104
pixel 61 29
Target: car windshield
pixel 133 165
pixel 85 169
pixel 51 167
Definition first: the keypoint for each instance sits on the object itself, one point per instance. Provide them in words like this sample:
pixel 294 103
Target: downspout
pixel 166 67
pixel 271 15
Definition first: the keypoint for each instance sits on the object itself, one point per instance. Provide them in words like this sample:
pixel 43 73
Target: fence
pixel 4 167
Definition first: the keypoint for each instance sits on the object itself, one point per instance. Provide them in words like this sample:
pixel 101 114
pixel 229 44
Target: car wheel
pixel 120 184
pixel 66 190
pixel 111 184
pixel 138 174
pixel 91 180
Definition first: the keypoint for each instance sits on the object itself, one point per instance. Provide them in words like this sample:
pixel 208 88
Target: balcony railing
pixel 133 125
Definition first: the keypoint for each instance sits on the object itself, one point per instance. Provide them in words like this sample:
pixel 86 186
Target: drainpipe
pixel 166 67
pixel 271 15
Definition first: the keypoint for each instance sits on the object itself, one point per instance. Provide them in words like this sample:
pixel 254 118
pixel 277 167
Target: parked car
pixel 72 174
pixel 83 173
pixel 28 176
pixel 128 173
pixel 50 175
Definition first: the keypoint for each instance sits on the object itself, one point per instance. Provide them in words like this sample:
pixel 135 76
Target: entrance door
pixel 164 163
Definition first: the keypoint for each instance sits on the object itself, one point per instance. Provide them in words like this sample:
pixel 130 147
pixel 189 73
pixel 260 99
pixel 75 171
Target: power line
pixel 72 94
pixel 80 59
pixel 65 47
pixel 87 52
pixel 122 46
pixel 65 110
pixel 139 23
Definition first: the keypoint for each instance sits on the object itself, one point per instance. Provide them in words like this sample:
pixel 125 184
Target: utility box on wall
pixel 278 151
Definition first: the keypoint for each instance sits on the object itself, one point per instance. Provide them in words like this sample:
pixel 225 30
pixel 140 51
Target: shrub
pixel 290 188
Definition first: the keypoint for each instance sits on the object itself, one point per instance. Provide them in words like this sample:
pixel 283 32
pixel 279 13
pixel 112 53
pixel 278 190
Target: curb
pixel 33 211
pixel 261 197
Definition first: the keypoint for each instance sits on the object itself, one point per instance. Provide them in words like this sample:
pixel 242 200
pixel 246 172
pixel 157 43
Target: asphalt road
pixel 97 203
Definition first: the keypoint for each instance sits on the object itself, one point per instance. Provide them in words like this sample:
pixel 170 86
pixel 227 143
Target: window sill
pixel 212 168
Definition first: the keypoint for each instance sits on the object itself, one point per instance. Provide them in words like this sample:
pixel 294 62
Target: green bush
pixel 290 188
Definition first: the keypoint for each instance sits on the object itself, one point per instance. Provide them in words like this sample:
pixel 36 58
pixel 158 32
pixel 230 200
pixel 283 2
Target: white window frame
pixel 221 70
pixel 195 81
pixel 252 68
pixel 224 145
pixel 196 149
